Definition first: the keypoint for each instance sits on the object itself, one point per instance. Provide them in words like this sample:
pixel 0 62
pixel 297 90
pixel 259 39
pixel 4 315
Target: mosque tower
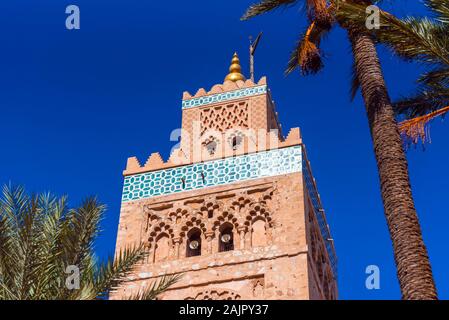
pixel 235 208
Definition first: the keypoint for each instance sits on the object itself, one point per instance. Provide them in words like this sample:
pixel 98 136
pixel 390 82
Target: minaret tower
pixel 235 208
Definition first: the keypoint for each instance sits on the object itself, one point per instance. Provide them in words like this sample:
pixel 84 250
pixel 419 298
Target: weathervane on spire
pixel 252 50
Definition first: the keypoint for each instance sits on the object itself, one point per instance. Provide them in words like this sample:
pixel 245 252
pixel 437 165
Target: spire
pixel 235 70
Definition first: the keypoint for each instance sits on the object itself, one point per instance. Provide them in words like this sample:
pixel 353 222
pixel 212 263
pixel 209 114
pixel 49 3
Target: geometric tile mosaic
pixel 212 173
pixel 225 96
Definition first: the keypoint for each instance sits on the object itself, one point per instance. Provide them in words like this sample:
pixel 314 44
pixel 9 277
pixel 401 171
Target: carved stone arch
pixel 237 138
pixel 267 199
pixel 226 234
pixel 154 215
pixel 226 216
pixel 160 227
pixel 259 232
pixel 162 247
pixel 176 215
pixel 241 202
pixel 194 235
pixel 215 294
pixel 258 288
pixel 259 210
pixel 152 218
pixel 268 195
pixel 210 208
pixel 190 223
pixel 212 143
pixel 240 209
pixel 260 223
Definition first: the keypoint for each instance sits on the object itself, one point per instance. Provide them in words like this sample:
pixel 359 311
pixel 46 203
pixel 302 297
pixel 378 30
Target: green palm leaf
pixel 40 238
pixel 156 288
pixel 266 6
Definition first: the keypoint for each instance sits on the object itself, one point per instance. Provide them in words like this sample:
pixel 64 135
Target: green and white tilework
pixel 216 172
pixel 225 96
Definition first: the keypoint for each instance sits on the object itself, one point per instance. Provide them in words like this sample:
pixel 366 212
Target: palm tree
pixel 43 244
pixel 413 266
pixel 416 39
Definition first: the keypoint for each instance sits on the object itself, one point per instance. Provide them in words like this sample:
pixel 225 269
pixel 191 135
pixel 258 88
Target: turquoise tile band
pixel 212 173
pixel 222 97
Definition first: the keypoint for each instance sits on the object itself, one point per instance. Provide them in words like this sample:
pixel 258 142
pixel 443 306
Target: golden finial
pixel 235 70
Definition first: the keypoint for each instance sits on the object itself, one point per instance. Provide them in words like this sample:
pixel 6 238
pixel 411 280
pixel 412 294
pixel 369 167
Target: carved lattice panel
pixel 225 117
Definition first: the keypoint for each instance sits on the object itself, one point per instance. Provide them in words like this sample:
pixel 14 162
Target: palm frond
pixel 156 288
pixel 441 8
pixel 7 292
pixel 414 39
pixel 7 259
pixel 416 129
pixel 321 13
pixel 306 54
pixel 436 78
pixel 51 270
pixel 83 228
pixel 424 102
pixel 8 251
pixel 13 203
pixel 265 6
pixel 410 38
pixel 114 272
pixel 40 237
pixel 30 236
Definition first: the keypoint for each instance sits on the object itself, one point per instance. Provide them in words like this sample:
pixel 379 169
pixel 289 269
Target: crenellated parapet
pixel 262 141
pixel 212 173
pixel 229 90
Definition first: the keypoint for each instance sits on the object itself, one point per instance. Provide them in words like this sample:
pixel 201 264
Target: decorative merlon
pixel 227 85
pixel 133 164
pixel 155 160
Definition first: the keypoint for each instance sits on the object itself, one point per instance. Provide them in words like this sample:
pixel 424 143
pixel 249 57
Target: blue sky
pixel 75 104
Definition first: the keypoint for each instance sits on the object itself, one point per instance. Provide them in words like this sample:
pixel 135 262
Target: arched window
pixel 162 248
pixel 193 243
pixel 258 234
pixel 226 239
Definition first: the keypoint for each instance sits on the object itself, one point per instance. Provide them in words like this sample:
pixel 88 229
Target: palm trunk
pixel 412 262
